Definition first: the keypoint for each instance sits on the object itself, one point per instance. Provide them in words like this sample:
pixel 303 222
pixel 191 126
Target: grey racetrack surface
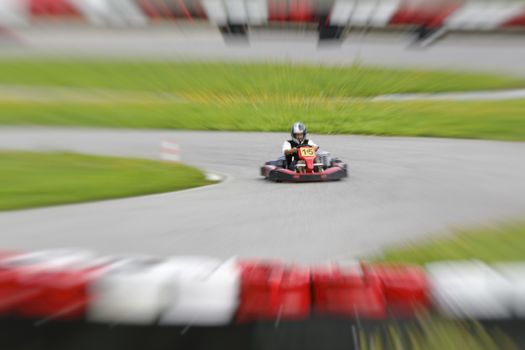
pixel 399 189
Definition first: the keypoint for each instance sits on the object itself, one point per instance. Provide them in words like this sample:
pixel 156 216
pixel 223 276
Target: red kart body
pixel 307 154
pixel 310 171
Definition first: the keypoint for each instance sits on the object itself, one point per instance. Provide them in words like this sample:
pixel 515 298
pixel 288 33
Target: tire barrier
pixel 406 289
pixel 273 291
pixel 352 291
pixel 47 284
pixel 204 292
pixel 470 290
pixel 66 298
pixel 68 284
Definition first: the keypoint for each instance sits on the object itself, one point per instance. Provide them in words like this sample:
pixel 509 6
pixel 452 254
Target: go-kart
pixel 314 166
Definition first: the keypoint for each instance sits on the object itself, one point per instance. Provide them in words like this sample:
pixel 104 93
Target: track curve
pixel 398 189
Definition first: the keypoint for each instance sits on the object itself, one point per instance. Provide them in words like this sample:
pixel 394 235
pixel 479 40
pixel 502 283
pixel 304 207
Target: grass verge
pixel 490 244
pixel 497 120
pixel 252 97
pixel 39 179
pixel 243 79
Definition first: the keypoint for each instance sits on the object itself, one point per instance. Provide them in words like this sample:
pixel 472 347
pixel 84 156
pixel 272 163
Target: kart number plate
pixel 307 152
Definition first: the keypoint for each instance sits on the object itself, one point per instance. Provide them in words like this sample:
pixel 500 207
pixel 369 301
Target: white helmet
pixel 298 128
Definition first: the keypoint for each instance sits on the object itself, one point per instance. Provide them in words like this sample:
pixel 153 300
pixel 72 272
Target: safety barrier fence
pixel 466 15
pixel 200 291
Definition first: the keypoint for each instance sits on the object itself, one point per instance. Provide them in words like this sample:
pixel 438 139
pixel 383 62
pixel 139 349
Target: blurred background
pixel 132 133
pixel 331 19
pixel 477 34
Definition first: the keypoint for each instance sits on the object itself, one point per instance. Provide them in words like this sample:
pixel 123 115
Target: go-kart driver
pixel 298 132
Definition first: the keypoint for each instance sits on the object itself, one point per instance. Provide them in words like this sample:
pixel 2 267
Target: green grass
pixel 253 97
pixel 493 244
pixel 489 244
pixel 499 120
pixel 39 179
pixel 242 79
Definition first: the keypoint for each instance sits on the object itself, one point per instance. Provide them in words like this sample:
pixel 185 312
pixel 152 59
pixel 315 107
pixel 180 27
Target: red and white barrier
pixel 53 8
pixel 257 12
pixel 26 281
pixel 61 293
pixel 203 292
pixel 200 291
pixel 406 289
pixel 134 291
pixel 470 289
pixel 482 15
pixel 236 11
pixel 215 11
pixel 348 291
pixel 423 13
pixel 341 12
pixel 111 12
pixel 382 14
pixel 463 15
pixel 273 291
pixel 362 14
pixel 518 20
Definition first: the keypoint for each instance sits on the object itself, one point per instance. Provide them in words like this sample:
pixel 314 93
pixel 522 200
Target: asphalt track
pixel 399 189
